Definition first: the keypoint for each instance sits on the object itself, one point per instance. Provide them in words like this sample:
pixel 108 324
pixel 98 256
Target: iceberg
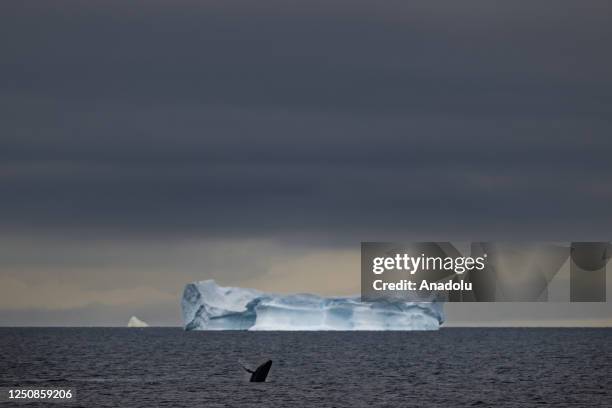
pixel 136 322
pixel 208 306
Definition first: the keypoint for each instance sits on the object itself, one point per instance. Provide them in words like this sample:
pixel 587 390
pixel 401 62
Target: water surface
pixel 451 367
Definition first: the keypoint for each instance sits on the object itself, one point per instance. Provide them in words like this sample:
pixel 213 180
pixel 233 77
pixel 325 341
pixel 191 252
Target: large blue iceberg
pixel 208 306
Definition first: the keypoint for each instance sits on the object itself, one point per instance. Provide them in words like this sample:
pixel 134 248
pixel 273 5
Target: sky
pixel 145 145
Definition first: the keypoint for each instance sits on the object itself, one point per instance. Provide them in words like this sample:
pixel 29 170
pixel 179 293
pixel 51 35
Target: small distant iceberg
pixel 136 322
pixel 208 306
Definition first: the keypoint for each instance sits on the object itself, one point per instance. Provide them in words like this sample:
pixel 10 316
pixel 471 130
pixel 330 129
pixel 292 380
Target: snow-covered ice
pixel 136 322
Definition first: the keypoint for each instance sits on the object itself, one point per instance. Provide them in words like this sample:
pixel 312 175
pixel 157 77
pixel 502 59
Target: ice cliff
pixel 208 306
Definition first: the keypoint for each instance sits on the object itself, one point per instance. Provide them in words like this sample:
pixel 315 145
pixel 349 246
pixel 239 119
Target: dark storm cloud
pixel 211 118
pixel 497 62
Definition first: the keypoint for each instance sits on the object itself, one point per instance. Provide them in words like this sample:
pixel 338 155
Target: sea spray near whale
pixel 208 306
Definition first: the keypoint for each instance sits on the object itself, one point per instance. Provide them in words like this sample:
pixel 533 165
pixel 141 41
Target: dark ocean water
pixel 453 367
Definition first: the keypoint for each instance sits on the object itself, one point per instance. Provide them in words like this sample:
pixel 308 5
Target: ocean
pixel 453 367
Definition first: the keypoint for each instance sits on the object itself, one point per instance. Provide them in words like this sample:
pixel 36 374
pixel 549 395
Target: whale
pixel 260 373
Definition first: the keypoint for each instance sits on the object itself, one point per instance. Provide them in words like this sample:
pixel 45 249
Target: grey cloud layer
pixel 359 118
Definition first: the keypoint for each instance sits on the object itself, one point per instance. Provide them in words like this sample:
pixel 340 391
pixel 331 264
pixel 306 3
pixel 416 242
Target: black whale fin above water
pixel 260 374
